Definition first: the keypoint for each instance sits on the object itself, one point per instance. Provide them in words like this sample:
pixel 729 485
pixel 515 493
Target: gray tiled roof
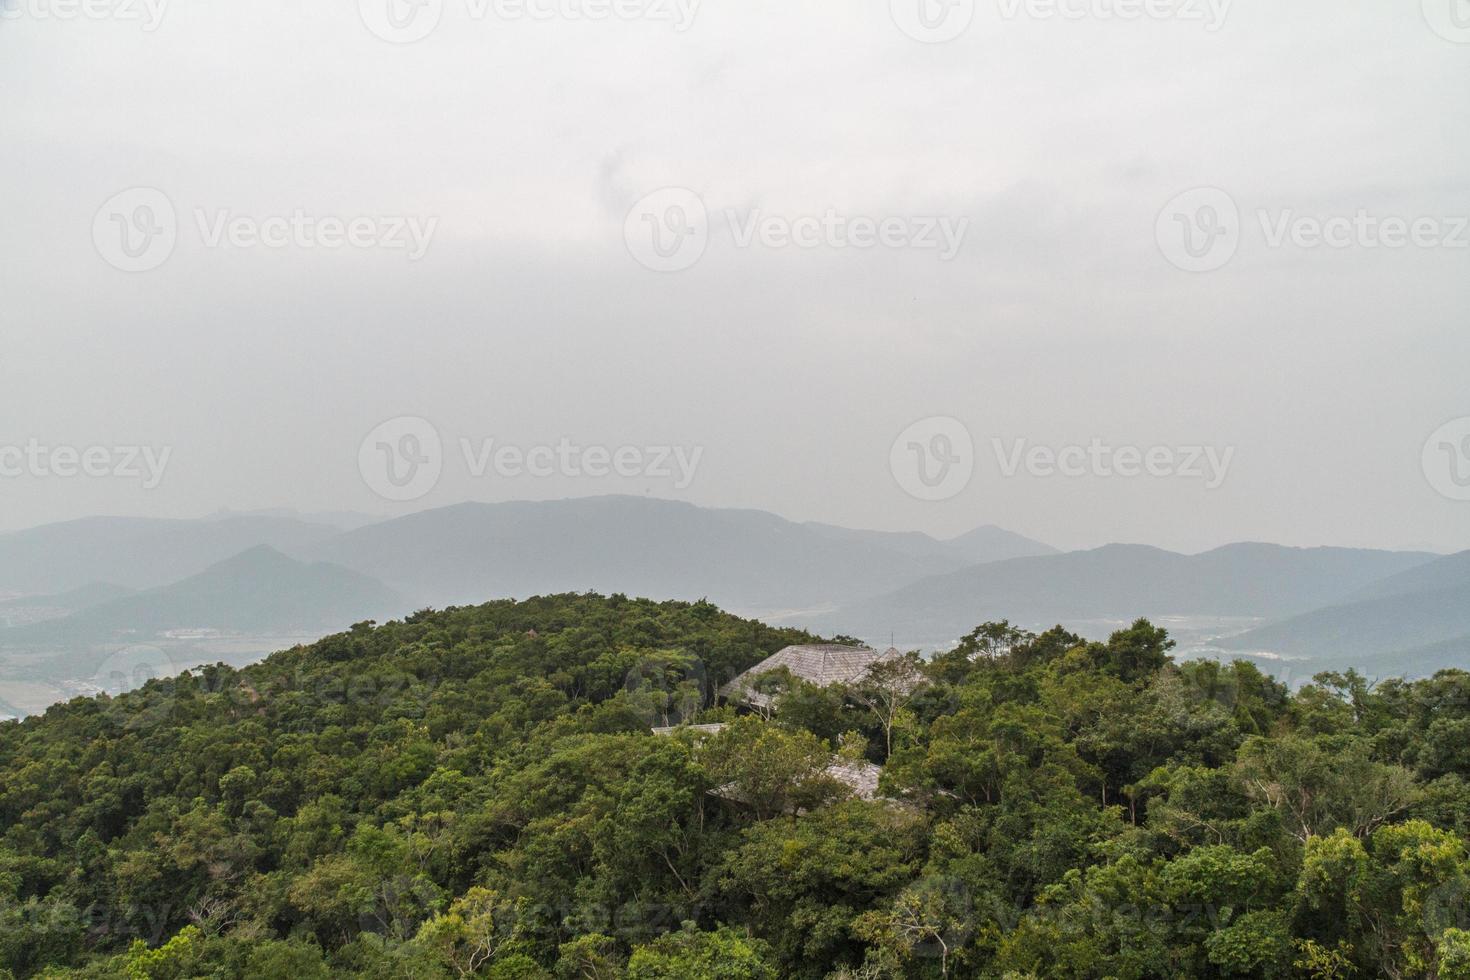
pixel 860 777
pixel 701 729
pixel 822 664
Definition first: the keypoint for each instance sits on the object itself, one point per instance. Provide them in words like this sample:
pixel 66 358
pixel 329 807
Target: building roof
pixel 822 664
pixel 701 729
pixel 860 777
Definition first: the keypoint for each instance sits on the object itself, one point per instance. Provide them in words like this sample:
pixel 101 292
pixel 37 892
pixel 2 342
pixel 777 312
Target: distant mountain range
pixel 99 581
pixel 35 609
pixel 139 553
pixel 1121 581
pixel 256 591
pixel 747 561
pixel 271 574
pixel 1411 623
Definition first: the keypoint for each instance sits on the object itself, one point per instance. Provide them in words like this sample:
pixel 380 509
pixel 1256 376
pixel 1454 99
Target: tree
pixel 770 770
pixel 1318 787
pixel 693 955
pixel 174 960
pixel 592 956
pixel 932 918
pixel 992 640
pixel 478 925
pixel 886 689
pixel 801 884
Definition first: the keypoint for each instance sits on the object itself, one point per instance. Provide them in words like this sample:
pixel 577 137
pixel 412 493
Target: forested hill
pixel 476 792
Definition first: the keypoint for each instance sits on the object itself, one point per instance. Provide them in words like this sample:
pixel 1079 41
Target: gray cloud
pixel 527 320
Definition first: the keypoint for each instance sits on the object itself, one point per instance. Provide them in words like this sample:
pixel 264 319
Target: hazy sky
pixel 1060 313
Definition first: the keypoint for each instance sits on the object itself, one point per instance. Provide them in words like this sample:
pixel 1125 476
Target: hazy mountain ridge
pixel 258 591
pixel 1357 632
pixel 1243 580
pixel 36 608
pixel 742 559
pixel 292 576
pixel 989 543
pixel 1412 622
pixel 139 553
pixel 1447 572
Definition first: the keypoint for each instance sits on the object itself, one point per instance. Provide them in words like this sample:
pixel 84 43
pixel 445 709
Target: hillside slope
pixel 478 792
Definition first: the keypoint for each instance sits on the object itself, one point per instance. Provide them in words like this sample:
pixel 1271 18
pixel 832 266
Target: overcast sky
pixel 1059 313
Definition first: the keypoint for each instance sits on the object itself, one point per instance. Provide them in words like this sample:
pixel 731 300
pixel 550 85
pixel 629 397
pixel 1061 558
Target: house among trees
pixel 822 664
pixel 858 775
pixel 879 681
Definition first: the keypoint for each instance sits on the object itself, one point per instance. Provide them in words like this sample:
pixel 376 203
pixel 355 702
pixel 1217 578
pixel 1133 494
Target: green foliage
pixel 476 792
pixel 693 955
